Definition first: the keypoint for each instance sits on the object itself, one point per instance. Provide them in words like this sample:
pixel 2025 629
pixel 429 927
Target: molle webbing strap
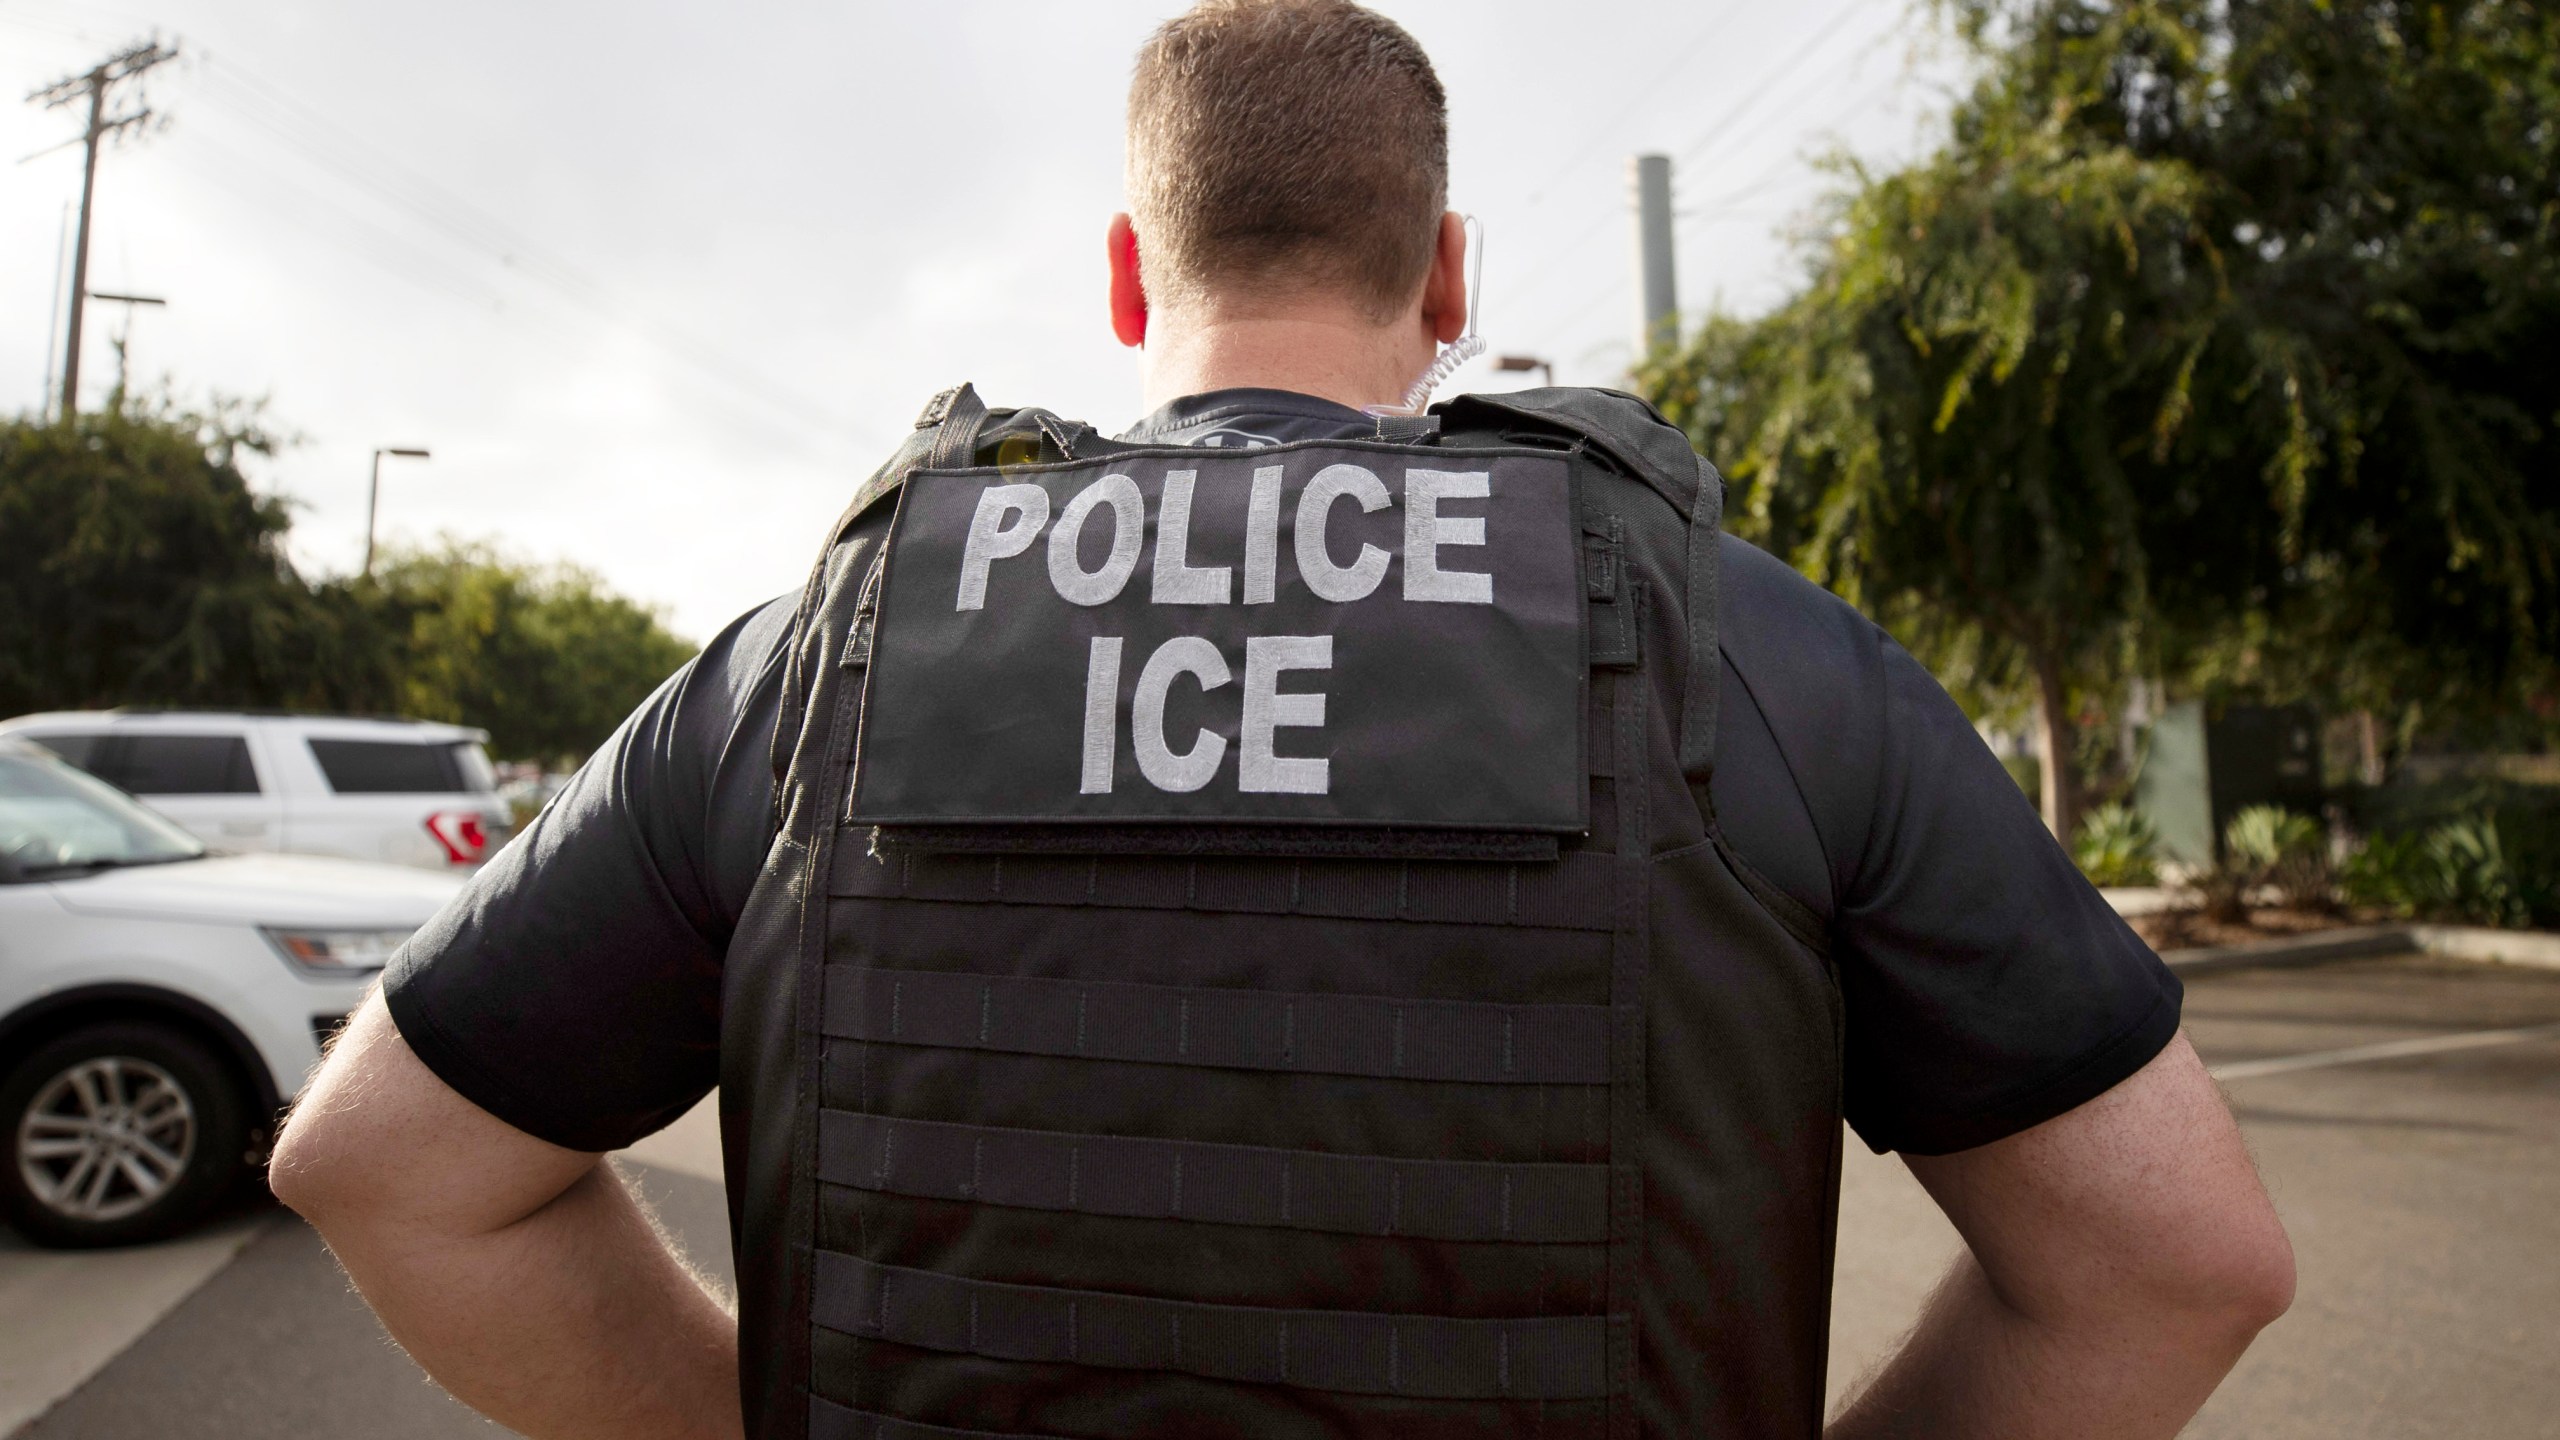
pixel 1630 951
pixel 831 1421
pixel 1224 1029
pixel 1215 1184
pixel 1571 894
pixel 1350 1352
pixel 1706 662
pixel 1258 842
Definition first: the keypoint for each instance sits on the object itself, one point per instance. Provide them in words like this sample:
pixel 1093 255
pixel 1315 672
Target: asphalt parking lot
pixel 2420 1178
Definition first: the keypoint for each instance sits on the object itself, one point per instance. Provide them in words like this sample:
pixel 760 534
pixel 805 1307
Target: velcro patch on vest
pixel 1332 634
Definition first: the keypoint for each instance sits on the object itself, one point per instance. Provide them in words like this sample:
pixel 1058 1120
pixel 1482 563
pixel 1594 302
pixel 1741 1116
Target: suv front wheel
pixel 118 1133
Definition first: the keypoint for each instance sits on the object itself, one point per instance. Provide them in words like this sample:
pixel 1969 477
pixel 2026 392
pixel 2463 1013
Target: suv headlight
pixel 338 952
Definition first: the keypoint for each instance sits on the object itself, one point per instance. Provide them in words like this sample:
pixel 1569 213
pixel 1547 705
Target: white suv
pixel 410 792
pixel 158 1002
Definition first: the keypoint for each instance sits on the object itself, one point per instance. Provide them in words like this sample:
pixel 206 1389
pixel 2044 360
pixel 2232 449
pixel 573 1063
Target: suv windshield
pixel 54 820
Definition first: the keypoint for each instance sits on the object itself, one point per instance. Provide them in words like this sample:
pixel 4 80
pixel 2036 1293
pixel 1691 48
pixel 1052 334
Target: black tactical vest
pixel 1088 1087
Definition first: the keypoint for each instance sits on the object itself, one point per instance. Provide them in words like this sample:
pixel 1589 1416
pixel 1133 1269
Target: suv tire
pixel 117 1134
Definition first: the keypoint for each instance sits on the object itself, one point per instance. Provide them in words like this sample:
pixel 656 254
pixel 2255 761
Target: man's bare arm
pixel 2123 1255
pixel 526 1278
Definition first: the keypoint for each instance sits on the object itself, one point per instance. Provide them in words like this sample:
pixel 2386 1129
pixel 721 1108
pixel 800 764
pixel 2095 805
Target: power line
pixel 265 187
pixel 1729 204
pixel 1723 208
pixel 395 184
pixel 1783 69
pixel 1645 95
pixel 1609 289
pixel 242 175
pixel 1786 67
pixel 1813 87
pixel 436 211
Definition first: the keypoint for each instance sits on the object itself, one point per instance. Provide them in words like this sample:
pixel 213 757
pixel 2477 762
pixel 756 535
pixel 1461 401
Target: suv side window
pixel 155 764
pixel 389 767
pixel 83 750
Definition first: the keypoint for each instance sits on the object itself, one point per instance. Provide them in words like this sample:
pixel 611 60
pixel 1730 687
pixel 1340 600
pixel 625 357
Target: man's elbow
pixel 335 1161
pixel 2262 1284
pixel 347 1148
pixel 2236 1284
pixel 308 1170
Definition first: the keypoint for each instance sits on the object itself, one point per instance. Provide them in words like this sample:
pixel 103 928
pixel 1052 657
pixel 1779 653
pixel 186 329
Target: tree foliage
pixel 2388 176
pixel 137 567
pixel 545 658
pixel 2207 343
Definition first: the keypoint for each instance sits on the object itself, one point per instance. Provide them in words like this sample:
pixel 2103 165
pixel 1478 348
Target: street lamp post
pixel 1528 362
pixel 124 342
pixel 373 494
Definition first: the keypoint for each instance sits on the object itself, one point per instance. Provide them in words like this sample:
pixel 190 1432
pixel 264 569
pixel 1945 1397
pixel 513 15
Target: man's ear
pixel 1444 294
pixel 1128 291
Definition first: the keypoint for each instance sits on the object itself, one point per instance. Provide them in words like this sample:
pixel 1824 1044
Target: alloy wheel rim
pixel 106 1138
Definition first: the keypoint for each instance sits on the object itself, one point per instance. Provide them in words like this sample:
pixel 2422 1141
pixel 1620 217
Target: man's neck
pixel 1343 359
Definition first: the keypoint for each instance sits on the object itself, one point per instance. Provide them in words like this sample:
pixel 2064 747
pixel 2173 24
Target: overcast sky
pixel 659 283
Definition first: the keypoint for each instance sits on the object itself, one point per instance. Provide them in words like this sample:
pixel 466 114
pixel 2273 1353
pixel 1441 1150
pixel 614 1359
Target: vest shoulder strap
pixel 1634 437
pixel 946 434
pixel 1624 429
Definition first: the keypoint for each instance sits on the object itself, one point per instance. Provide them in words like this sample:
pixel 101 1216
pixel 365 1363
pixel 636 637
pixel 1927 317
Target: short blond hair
pixel 1283 146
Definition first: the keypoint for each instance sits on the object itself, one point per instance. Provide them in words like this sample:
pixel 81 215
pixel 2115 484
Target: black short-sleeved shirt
pixel 573 989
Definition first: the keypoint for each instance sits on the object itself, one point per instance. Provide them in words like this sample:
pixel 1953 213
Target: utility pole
pixel 94 86
pixel 1657 299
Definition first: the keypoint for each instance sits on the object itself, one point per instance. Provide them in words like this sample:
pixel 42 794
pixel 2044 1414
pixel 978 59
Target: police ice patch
pixel 1328 633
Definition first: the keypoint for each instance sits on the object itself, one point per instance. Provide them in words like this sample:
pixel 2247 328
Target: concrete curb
pixel 2536 948
pixel 2319 948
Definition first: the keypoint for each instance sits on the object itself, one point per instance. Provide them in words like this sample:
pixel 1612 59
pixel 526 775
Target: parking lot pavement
pixel 269 1343
pixel 62 1313
pixel 2423 1194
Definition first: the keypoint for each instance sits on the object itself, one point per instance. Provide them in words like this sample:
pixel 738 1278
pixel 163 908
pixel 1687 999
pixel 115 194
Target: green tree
pixel 138 568
pixel 1951 424
pixel 545 658
pixel 2203 325
pixel 2372 416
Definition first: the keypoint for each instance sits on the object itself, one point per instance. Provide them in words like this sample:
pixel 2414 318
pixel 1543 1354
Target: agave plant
pixel 2117 846
pixel 2478 882
pixel 2271 845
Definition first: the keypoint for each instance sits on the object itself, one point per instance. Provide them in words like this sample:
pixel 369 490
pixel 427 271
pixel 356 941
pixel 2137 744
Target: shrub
pixel 2220 890
pixel 2458 872
pixel 2270 845
pixel 2525 817
pixel 2117 846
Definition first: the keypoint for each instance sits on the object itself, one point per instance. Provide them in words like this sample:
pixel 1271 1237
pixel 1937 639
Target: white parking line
pixel 2386 1050
pixel 66 1313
